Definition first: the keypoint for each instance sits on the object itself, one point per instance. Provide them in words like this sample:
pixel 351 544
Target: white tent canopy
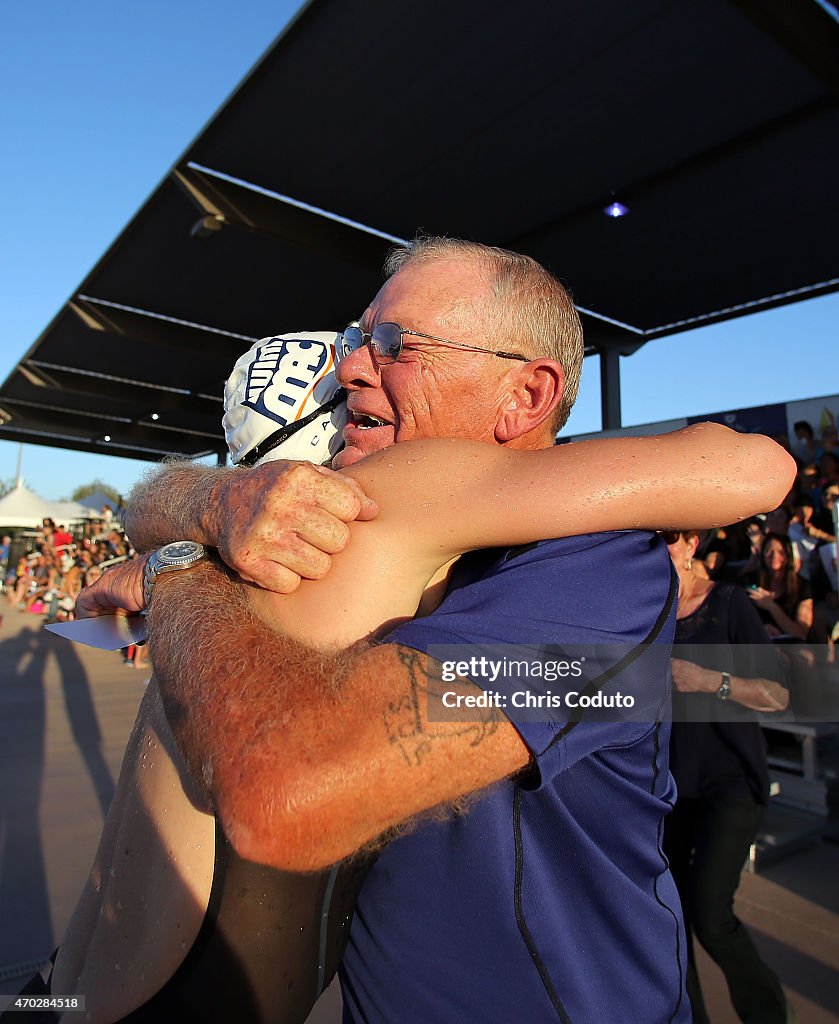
pixel 96 501
pixel 22 508
pixel 69 511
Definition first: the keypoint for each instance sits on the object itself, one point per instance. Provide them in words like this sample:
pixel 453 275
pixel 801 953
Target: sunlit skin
pixel 433 390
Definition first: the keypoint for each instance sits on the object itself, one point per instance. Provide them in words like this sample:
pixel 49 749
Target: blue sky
pixel 100 99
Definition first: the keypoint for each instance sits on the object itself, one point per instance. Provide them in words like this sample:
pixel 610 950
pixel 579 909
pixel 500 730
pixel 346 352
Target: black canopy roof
pixel 714 122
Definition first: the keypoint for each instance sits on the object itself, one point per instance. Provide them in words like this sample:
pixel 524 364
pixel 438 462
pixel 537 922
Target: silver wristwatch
pixel 724 692
pixel 180 554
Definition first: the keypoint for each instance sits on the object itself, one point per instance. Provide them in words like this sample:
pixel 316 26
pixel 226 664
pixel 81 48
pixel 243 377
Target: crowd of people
pixel 786 559
pixel 57 562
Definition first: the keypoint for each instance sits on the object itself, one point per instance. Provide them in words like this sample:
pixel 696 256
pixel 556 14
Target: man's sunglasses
pixel 386 343
pixel 671 536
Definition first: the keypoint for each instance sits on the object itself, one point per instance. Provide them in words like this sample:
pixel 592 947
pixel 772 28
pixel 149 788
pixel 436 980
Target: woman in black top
pixel 783 598
pixel 784 603
pixel 723 666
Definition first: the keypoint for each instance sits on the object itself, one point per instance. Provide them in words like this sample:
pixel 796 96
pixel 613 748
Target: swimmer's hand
pixel 117 591
pixel 282 522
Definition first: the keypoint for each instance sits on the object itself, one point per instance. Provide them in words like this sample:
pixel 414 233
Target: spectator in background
pixel 777 521
pixel 47 582
pixel 63 604
pixel 7 574
pixel 114 543
pixel 755 534
pixel 803 534
pixel 47 531
pixel 823 577
pixel 17 582
pixel 96 552
pixel 729 551
pixel 62 537
pixel 828 444
pixel 93 532
pixel 783 599
pixel 807 481
pixel 804 448
pixel 84 559
pixel 715 552
pixel 828 471
pixel 784 603
pixel 822 522
pixel 718 759
pixel 92 575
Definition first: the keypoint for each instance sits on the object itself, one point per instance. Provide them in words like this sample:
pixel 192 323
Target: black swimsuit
pixel 269 945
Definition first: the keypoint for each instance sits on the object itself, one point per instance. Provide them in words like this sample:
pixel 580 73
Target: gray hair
pixel 535 313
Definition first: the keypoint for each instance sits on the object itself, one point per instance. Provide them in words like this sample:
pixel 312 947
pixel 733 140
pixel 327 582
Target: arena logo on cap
pixel 281 375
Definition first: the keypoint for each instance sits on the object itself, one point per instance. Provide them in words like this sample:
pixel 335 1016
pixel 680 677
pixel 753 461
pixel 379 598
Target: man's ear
pixel 535 389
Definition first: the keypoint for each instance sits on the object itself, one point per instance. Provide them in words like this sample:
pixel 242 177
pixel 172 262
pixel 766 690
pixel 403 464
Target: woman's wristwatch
pixel 180 554
pixel 724 692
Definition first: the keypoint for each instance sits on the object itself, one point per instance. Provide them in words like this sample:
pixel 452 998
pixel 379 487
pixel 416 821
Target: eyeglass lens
pixel 385 342
pixel 351 339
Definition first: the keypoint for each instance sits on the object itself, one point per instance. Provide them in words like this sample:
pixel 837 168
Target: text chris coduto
pixel 531 674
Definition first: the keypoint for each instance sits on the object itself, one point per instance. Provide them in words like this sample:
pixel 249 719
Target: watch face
pixel 180 551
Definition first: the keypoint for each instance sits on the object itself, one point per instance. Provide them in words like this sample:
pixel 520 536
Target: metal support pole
pixel 610 389
pixel 221 456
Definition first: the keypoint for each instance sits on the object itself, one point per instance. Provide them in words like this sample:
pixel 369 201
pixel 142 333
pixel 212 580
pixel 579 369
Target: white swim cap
pixel 282 400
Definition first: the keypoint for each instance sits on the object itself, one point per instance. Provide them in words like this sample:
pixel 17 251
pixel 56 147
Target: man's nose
pixel 358 369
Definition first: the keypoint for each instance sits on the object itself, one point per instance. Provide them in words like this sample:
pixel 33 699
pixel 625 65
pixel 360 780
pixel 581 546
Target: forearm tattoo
pixel 406 715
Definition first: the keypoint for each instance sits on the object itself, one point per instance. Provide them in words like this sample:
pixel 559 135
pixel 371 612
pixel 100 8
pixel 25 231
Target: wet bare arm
pixel 470 495
pixel 283 521
pixel 442 497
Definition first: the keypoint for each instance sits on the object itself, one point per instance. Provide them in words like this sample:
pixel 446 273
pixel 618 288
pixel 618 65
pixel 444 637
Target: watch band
pixel 149 576
pixel 724 692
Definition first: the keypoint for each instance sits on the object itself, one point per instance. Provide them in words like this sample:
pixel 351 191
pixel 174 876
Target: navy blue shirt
pixel 549 898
